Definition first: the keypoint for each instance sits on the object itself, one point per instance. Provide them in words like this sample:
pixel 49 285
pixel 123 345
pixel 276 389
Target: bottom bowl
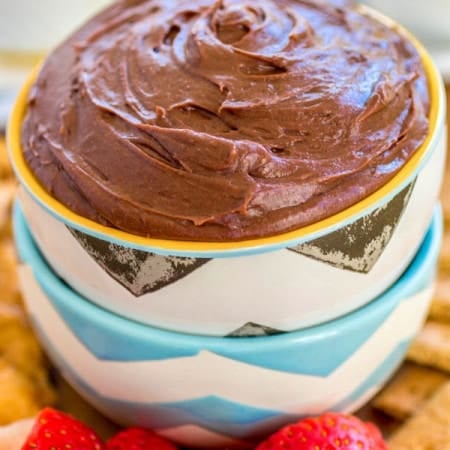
pixel 209 391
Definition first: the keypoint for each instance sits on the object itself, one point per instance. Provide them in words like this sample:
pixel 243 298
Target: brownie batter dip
pixel 223 120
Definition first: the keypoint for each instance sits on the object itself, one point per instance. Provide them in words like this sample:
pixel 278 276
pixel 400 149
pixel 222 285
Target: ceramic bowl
pixel 263 286
pixel 209 391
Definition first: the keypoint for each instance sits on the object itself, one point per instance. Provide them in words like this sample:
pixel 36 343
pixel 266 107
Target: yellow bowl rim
pixel 383 194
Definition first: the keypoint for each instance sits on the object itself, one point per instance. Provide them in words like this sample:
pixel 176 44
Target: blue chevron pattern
pixel 110 346
pixel 213 413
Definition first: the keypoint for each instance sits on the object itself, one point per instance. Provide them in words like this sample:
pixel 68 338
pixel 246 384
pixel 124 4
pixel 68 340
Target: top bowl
pixel 312 274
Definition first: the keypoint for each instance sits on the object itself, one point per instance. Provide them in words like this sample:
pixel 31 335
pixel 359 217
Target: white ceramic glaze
pixel 281 290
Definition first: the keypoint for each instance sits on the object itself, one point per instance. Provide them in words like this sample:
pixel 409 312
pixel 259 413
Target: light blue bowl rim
pixel 415 276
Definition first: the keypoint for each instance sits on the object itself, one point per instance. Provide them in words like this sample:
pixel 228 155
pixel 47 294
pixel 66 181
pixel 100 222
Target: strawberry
pixel 138 439
pixel 330 431
pixel 54 430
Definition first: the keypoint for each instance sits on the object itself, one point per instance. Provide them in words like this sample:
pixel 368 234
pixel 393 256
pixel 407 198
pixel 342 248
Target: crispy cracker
pixel 7 192
pixel 445 191
pixel 429 429
pixel 440 306
pixel 17 395
pixel 5 166
pixel 432 346
pixel 9 291
pixel 445 196
pixel 20 348
pixel 12 311
pixel 444 257
pixel 409 390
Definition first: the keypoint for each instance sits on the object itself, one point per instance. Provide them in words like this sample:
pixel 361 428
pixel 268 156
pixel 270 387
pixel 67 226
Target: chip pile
pixel 24 372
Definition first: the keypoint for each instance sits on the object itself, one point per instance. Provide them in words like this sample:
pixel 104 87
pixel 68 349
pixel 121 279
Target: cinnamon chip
pixel 440 306
pixel 9 292
pixel 444 258
pixel 429 429
pixel 409 390
pixel 18 398
pixel 7 192
pixel 445 195
pixel 5 166
pixel 20 349
pixel 24 371
pixel 445 201
pixel 432 346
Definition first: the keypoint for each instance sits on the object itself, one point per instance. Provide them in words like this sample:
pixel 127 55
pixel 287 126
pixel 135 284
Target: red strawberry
pixel 328 432
pixel 138 439
pixel 54 430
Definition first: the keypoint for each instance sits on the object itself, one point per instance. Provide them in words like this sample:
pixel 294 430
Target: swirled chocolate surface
pixel 224 119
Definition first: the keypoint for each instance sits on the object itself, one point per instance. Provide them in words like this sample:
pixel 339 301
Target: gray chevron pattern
pixel 358 246
pixel 138 271
pixel 252 329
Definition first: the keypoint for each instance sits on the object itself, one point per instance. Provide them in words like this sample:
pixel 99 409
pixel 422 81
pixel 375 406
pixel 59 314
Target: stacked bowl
pixel 216 344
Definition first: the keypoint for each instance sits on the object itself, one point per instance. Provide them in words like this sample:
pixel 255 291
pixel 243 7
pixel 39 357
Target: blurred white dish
pixel 36 26
pixel 428 20
pixel 29 29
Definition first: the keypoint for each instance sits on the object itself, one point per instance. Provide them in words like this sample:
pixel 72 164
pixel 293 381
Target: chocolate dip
pixel 223 120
